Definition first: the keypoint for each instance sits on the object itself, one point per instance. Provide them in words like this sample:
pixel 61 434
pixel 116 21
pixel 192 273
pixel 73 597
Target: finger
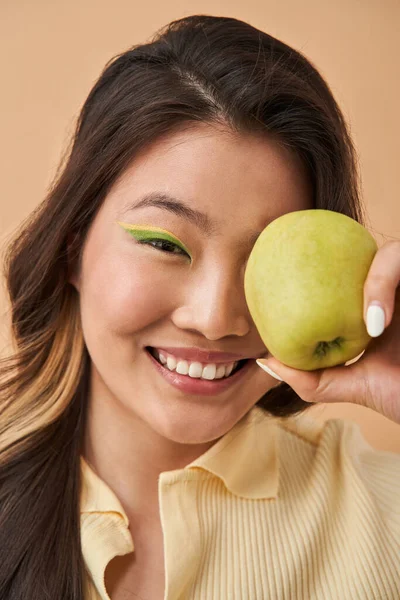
pixel 380 288
pixel 333 384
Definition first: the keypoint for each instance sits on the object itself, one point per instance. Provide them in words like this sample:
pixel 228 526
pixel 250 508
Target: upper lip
pixel 204 356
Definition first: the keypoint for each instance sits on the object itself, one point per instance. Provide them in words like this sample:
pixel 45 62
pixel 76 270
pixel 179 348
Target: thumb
pixel 333 384
pixel 303 382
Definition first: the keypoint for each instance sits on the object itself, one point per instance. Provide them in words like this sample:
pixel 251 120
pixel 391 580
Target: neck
pixel 128 455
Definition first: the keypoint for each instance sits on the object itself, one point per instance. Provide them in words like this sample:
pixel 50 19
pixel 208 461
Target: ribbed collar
pixel 246 458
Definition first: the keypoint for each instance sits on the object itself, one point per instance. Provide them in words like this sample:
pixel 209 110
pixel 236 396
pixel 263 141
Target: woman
pixel 143 452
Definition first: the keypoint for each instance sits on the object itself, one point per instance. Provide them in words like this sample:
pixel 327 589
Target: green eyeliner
pixel 148 232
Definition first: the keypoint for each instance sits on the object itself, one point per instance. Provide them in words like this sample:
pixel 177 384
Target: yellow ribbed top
pixel 294 509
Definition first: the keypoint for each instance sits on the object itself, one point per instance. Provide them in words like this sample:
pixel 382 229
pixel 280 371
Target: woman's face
pixel 134 295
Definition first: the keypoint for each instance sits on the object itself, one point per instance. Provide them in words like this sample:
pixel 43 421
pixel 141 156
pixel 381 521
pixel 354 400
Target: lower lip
pixel 191 385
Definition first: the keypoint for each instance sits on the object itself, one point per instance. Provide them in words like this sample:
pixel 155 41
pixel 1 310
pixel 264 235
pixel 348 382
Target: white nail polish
pixel 375 320
pixel 269 371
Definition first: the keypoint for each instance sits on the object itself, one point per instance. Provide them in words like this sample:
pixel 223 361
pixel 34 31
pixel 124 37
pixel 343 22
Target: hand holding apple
pixel 309 281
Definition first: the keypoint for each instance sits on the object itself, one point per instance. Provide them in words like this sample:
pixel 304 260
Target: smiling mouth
pixel 240 365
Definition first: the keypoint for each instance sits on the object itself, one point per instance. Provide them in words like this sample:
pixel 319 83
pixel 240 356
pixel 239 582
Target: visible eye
pixel 164 246
pixel 156 238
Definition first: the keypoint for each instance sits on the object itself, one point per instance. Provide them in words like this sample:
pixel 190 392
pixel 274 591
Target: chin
pixel 191 425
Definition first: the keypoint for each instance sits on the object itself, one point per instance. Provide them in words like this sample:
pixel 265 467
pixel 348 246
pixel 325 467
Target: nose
pixel 214 305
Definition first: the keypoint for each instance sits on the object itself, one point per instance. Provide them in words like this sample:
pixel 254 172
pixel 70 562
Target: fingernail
pixel 268 370
pixel 375 320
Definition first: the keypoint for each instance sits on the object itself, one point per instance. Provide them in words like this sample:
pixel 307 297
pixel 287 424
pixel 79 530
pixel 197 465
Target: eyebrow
pixel 176 206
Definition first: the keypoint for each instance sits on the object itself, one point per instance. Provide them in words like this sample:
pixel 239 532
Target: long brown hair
pixel 199 69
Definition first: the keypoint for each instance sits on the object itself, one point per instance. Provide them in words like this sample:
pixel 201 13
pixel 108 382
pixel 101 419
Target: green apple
pixel 304 284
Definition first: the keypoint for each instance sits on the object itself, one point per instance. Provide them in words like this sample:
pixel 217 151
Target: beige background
pixel 52 51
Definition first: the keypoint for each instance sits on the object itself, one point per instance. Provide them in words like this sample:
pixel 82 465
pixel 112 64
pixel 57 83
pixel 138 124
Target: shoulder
pixel 335 455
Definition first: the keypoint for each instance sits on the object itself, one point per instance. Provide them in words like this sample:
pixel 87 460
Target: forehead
pixel 210 151
pixel 225 174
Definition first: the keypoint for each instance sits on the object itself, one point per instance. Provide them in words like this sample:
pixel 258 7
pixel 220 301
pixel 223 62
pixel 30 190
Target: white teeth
pixel 196 369
pixel 221 370
pixel 171 363
pixel 230 368
pixel 209 372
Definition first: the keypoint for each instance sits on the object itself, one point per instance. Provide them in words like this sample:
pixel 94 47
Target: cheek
pixel 125 297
